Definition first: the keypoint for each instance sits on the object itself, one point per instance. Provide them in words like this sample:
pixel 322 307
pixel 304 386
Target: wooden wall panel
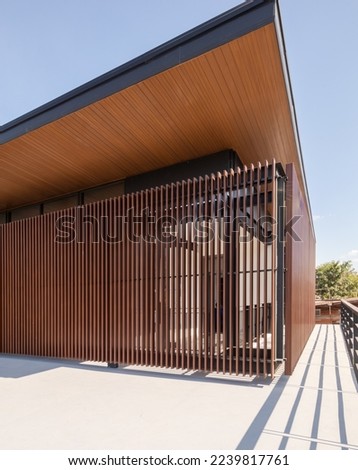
pixel 300 273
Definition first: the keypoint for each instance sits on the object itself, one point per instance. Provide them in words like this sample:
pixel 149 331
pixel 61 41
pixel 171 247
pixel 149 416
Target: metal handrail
pixel 349 323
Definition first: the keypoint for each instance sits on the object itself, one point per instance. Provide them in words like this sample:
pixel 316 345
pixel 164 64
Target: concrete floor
pixel 46 404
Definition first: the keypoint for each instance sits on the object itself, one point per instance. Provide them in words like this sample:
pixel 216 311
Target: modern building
pixel 159 214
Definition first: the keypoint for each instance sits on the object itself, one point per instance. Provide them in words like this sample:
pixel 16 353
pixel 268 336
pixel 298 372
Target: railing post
pixel 349 320
pixel 354 339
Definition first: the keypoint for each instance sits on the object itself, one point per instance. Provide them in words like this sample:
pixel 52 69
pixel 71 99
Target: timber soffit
pixel 231 25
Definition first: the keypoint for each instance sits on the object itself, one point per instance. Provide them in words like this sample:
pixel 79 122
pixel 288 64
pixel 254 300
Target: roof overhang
pixel 222 85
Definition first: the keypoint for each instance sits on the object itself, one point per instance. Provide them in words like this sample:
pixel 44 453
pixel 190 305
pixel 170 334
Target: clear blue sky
pixel 50 47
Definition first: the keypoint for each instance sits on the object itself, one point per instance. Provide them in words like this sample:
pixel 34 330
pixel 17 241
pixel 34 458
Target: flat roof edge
pixel 214 33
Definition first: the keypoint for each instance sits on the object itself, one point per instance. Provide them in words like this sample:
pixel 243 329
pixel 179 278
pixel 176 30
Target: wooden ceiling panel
pixel 234 96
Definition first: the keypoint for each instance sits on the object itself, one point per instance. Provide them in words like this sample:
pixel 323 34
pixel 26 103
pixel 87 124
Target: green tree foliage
pixel 336 280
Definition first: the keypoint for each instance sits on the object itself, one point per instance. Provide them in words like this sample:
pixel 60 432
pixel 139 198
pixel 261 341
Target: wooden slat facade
pixel 185 302
pixel 179 276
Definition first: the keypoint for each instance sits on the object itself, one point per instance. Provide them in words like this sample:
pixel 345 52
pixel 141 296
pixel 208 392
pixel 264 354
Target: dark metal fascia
pixel 286 72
